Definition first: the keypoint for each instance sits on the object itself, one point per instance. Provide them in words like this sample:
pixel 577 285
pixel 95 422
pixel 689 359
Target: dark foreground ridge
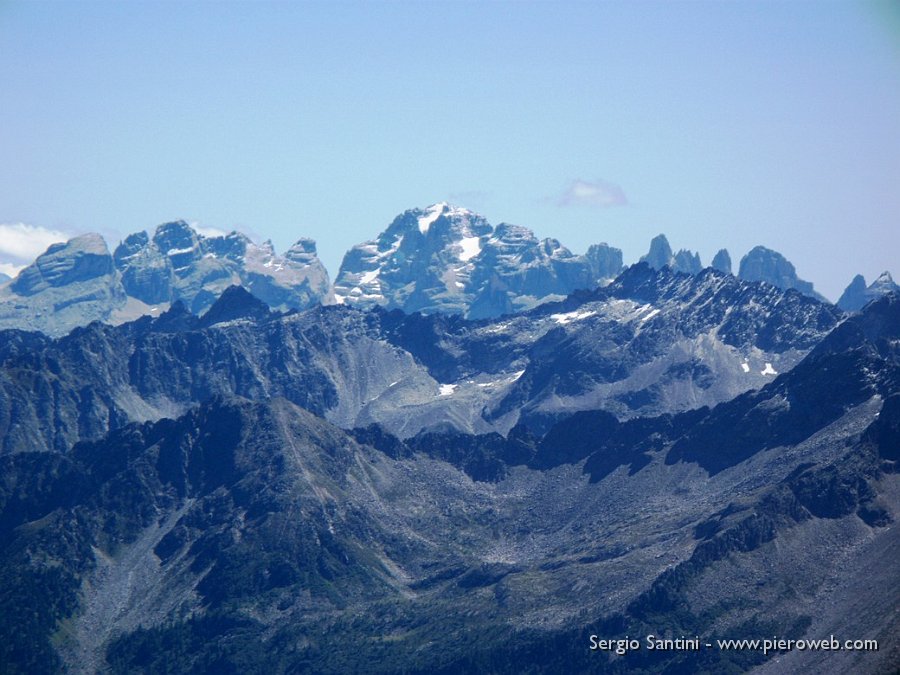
pixel 219 494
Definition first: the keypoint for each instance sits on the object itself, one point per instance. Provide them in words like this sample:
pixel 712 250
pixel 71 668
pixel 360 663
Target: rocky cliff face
pixel 764 264
pixel 70 284
pixel 451 260
pixel 441 259
pixel 660 253
pixel 722 261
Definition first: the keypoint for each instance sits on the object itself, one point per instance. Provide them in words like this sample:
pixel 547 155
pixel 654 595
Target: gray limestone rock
pixel 69 285
pixel 660 253
pixel 722 261
pixel 687 262
pixel 764 264
pixel 605 262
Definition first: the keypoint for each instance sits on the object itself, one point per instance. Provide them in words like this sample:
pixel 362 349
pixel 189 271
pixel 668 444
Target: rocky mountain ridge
pixel 653 341
pixel 79 281
pixel 438 259
pixel 246 532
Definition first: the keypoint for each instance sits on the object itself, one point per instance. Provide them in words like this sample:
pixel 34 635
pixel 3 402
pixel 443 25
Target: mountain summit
pixel 660 255
pixel 180 264
pixel 448 259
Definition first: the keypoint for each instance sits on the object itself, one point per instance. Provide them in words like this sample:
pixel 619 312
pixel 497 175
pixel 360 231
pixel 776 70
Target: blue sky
pixel 719 124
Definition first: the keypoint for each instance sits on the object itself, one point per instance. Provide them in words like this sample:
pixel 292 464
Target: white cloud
pixel 592 193
pixel 206 231
pixel 9 269
pixel 21 243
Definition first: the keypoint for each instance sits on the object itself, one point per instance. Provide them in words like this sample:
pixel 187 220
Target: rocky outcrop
pixel 722 261
pixel 660 255
pixel 605 262
pixel 687 262
pixel 69 285
pixel 79 260
pixel 764 264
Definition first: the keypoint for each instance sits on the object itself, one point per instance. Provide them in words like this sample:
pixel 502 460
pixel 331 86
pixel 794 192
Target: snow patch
pixel 745 367
pixel 499 328
pixel 471 246
pixel 432 213
pixel 768 370
pixel 179 251
pixel 569 317
pixel 447 389
pixel 650 315
pixel 369 277
pixel 207 232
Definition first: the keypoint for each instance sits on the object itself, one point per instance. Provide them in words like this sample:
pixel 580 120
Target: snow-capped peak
pixel 429 215
pixel 450 259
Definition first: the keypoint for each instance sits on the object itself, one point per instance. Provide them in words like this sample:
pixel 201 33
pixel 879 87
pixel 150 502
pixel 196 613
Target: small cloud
pixel 21 243
pixel 10 270
pixel 474 199
pixel 597 193
pixel 208 232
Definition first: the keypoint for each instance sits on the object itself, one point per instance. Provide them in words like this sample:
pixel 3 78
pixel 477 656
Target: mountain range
pixel 77 282
pixel 652 342
pixel 441 259
pixel 472 453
